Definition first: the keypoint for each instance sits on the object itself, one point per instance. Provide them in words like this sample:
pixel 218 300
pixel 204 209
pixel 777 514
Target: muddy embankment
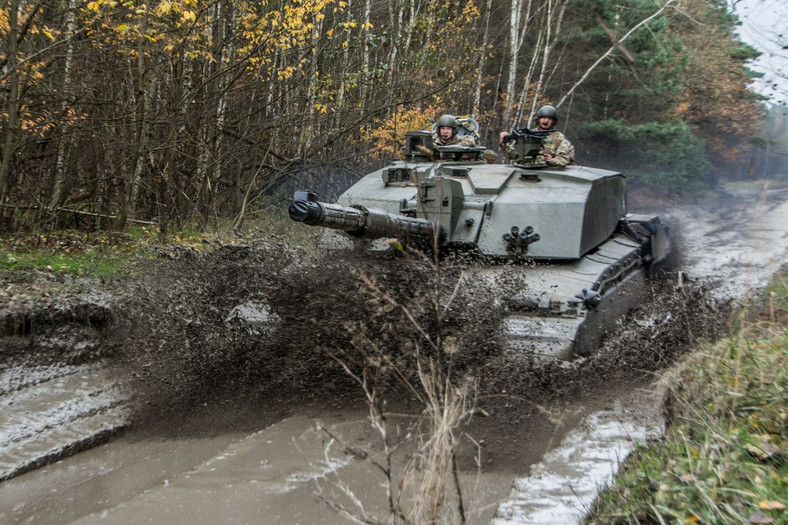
pixel 215 405
pixel 56 392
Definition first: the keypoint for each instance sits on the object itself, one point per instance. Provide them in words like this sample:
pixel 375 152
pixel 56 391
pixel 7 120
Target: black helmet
pixel 447 121
pixel 547 111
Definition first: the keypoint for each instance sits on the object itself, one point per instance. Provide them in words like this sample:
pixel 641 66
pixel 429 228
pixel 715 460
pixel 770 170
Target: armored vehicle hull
pixel 585 259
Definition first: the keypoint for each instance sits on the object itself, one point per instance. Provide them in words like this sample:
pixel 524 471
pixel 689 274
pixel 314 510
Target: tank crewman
pixel 445 133
pixel 556 149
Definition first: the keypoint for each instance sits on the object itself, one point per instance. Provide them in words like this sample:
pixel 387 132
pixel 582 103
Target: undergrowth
pixel 109 253
pixel 723 457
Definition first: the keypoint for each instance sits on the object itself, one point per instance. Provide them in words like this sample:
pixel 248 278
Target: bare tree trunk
pixel 547 29
pixel 395 19
pixel 517 29
pixel 311 128
pixel 552 26
pixel 411 24
pixel 225 38
pixel 140 123
pixel 185 85
pixel 345 65
pixel 366 52
pixel 527 84
pixel 477 97
pixel 59 190
pixel 14 99
pixel 271 90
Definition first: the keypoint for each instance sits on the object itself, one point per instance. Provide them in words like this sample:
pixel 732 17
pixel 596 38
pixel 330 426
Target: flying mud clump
pixel 267 325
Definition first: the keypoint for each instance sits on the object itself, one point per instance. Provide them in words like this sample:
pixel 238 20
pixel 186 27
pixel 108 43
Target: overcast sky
pixel 764 25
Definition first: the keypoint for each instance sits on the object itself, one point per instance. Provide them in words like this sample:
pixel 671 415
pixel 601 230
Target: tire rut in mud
pixel 57 395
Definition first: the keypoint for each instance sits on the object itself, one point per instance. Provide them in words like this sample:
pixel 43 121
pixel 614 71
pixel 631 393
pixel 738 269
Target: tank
pixel 585 258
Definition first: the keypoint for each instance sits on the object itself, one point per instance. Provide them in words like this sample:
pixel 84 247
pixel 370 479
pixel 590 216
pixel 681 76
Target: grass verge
pixel 110 254
pixel 723 457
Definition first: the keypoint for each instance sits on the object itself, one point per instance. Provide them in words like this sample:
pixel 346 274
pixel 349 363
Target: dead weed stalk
pixel 419 462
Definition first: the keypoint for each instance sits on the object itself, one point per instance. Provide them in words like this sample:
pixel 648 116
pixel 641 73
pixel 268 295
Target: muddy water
pixel 541 458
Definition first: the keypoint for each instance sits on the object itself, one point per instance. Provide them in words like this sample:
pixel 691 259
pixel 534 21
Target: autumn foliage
pixel 188 111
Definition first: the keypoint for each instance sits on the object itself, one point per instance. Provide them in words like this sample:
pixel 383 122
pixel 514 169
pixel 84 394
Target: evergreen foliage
pixel 661 155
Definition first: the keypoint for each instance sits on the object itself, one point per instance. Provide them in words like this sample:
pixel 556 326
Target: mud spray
pixel 196 368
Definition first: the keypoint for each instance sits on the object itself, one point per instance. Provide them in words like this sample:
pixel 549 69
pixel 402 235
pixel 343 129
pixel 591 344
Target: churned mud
pixel 219 415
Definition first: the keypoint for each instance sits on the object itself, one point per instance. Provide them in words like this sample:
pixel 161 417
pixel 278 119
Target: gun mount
pixel 528 144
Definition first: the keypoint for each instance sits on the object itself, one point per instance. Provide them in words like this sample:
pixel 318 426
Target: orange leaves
pixel 43 121
pixel 387 135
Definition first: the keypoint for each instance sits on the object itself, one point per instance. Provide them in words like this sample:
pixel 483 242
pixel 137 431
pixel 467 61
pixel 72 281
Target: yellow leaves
pixel 394 244
pixel 164 8
pixel 387 135
pixel 38 124
pixel 471 12
pixel 770 505
pixel 179 9
pixel 286 73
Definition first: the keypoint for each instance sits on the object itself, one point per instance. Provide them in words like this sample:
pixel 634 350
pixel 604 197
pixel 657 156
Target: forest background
pixel 189 112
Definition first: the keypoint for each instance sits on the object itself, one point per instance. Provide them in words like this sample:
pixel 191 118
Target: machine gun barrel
pixel 362 222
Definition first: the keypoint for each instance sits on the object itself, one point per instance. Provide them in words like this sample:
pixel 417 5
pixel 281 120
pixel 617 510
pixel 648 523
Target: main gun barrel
pixel 363 222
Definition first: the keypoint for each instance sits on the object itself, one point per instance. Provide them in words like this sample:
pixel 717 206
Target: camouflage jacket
pixel 555 144
pixel 468 141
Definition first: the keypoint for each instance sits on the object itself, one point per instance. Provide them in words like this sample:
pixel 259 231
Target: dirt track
pixel 226 432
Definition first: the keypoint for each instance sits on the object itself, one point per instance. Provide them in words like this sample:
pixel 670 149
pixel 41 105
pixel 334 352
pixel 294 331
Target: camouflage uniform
pixel 457 140
pixel 555 144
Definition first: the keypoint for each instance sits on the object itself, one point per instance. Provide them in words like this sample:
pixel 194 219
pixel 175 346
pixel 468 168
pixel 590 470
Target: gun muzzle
pixel 366 223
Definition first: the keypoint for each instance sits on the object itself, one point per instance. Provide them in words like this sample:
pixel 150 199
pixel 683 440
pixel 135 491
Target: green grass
pixel 723 458
pixel 95 264
pixel 112 253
